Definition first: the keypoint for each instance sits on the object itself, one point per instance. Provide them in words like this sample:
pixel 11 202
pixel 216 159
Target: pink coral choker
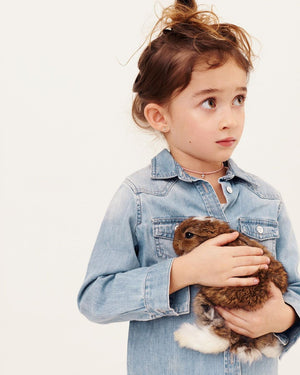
pixel 203 174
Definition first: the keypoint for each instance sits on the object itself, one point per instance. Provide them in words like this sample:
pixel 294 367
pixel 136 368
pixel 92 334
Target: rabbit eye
pixel 189 235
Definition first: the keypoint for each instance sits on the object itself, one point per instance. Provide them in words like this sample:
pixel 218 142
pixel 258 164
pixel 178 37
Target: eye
pixel 209 103
pixel 239 100
pixel 188 235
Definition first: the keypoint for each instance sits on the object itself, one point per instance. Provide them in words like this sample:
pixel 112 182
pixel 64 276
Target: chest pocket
pixel 264 231
pixel 163 233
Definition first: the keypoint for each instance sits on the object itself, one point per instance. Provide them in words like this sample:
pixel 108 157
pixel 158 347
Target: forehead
pixel 227 76
pixel 228 79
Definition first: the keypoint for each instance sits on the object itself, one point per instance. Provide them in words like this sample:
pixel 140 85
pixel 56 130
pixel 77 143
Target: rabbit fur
pixel 209 334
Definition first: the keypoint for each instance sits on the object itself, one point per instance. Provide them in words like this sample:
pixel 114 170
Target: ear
pixel 156 115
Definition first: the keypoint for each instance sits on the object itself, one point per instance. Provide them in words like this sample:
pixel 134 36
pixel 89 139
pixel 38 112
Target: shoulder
pixel 155 179
pixel 141 181
pixel 264 189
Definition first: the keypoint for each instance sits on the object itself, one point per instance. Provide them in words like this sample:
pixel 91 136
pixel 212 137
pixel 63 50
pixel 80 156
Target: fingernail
pixel 263 267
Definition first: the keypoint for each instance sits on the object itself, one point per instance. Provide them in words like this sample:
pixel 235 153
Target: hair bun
pixel 186 3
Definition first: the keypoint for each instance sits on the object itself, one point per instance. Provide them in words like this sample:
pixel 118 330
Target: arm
pixel 116 287
pixel 288 255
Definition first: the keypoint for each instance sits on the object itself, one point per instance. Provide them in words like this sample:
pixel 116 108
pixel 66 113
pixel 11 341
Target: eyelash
pixel 243 97
pixel 214 101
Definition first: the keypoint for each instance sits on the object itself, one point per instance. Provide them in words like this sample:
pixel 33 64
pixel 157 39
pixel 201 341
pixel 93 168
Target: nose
pixel 227 119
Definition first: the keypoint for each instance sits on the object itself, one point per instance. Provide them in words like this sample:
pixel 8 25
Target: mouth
pixel 227 142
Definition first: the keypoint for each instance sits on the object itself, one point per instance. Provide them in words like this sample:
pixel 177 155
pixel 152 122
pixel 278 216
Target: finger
pixel 251 261
pixel 223 239
pixel 236 322
pixel 240 330
pixel 233 316
pixel 248 270
pixel 237 317
pixel 238 251
pixel 243 281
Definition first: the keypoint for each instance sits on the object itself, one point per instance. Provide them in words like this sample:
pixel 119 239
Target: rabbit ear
pixel 209 312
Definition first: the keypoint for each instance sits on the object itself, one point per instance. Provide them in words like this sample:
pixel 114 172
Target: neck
pixel 205 173
pixel 191 162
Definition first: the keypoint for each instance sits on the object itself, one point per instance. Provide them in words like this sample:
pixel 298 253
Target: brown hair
pixel 186 37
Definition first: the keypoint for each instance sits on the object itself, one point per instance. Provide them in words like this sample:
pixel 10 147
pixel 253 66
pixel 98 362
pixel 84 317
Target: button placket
pixel 210 199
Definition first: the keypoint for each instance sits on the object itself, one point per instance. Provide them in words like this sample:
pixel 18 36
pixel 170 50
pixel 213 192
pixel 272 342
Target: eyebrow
pixel 214 91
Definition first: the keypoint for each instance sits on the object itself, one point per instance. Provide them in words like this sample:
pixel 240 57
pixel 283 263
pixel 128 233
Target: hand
pixel 274 316
pixel 213 264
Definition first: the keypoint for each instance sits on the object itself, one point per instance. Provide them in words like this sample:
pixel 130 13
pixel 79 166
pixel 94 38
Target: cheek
pixel 241 118
pixel 204 134
pixel 191 127
pixel 201 139
pixel 241 124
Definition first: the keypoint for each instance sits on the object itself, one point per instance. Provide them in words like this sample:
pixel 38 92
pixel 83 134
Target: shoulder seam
pixel 131 185
pixel 138 203
pixel 272 195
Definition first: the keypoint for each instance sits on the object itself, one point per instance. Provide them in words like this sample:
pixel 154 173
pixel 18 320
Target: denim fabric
pixel 129 270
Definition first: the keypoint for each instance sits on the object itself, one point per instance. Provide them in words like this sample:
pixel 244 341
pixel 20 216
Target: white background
pixel 67 141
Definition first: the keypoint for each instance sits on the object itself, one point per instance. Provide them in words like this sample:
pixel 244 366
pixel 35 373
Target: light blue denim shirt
pixel 129 271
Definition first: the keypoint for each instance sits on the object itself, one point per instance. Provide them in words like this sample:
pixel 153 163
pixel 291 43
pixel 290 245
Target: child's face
pixel 206 119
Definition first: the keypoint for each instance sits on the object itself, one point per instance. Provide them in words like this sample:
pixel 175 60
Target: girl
pixel 191 87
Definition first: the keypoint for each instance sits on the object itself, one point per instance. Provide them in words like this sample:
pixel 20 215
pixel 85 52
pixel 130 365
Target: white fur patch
pixel 201 339
pixel 245 354
pixel 204 218
pixel 200 218
pixel 273 351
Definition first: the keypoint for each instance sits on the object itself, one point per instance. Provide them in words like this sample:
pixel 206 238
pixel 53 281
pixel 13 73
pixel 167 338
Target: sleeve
pixel 288 255
pixel 116 288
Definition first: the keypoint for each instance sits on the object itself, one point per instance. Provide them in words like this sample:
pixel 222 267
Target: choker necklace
pixel 203 174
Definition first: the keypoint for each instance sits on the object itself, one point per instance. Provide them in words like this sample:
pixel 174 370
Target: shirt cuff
pixel 158 302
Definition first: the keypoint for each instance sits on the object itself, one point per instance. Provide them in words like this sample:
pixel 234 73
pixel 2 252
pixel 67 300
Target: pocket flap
pixel 165 228
pixel 259 229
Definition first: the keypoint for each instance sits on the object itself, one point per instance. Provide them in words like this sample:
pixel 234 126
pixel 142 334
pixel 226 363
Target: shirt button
pixel 260 229
pixel 229 189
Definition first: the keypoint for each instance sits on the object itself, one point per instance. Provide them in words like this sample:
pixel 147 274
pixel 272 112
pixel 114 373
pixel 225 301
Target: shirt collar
pixel 236 172
pixel 164 167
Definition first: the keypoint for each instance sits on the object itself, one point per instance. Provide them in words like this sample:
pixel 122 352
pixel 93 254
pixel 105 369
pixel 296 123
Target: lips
pixel 227 142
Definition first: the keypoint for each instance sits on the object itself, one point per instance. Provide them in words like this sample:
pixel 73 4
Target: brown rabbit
pixel 210 335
